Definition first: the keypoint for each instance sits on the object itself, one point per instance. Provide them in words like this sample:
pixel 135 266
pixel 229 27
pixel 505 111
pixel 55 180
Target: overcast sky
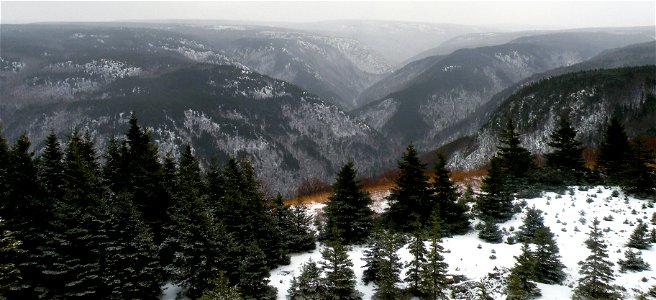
pixel 562 14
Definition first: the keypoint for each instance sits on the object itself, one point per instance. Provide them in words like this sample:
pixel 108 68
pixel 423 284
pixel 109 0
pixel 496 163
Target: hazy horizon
pixel 515 14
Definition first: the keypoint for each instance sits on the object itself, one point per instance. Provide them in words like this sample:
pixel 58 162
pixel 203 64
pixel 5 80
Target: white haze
pixel 509 14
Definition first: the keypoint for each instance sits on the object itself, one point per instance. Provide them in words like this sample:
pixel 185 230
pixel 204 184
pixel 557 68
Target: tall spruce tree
pixel 433 272
pixel 254 275
pixel 411 195
pixel 418 251
pixel 640 176
pixel 294 224
pixel 140 174
pixel 519 280
pixel 496 200
pixel 372 255
pixel 532 221
pixel 390 266
pixel 596 271
pixel 613 152
pixel 309 285
pixel 348 208
pixel 515 160
pixel 548 267
pixel 452 213
pixel 340 279
pixel 566 156
pixel 10 276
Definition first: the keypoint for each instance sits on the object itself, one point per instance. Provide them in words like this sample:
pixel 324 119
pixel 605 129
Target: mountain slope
pixel 632 55
pixel 455 87
pixel 589 98
pixel 92 78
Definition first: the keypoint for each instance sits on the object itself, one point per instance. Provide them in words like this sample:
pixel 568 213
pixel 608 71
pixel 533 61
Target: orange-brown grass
pixel 385 183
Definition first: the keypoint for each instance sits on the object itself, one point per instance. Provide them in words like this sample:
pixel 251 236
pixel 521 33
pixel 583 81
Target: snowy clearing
pixel 568 215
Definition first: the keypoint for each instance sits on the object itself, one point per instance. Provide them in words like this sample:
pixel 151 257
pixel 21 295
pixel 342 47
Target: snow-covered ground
pixel 568 215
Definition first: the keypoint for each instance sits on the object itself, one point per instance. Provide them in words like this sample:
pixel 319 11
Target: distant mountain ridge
pixel 589 98
pixel 457 85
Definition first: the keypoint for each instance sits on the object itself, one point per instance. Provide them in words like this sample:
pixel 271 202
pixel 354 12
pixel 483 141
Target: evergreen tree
pixel 10 277
pixel 254 275
pixel 639 239
pixel 419 253
pixel 640 176
pixel 515 160
pixel 613 152
pixel 4 174
pixel 300 234
pixel 51 169
pixel 596 271
pixel 294 223
pixel 652 235
pixel 519 285
pixel 632 261
pixel 548 267
pixel 390 266
pixel 567 152
pixel 433 272
pixel 309 285
pixel 411 195
pixel 452 212
pixel 372 255
pixel 340 279
pixel 532 221
pixel 139 173
pixel 131 267
pixel 242 208
pixel 221 290
pixel 348 207
pixel 490 232
pixel 496 200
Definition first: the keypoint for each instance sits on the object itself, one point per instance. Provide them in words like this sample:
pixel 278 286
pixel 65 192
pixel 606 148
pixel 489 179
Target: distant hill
pixel 450 90
pixel 184 91
pixel 589 98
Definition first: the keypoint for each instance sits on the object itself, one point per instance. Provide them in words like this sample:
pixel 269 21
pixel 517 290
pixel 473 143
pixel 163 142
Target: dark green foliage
pixel 139 173
pixel 566 157
pixel 515 160
pixel 340 279
pixel 639 178
pixel 389 266
pixel 496 200
pixel 639 239
pixel 411 195
pixel 9 250
pixel 548 267
pixel 221 290
pixel 433 273
pixel 309 285
pixel 532 221
pixel 519 280
pixel 254 275
pixel 294 224
pixel 596 271
pixel 490 232
pixel 372 256
pixel 419 253
pixel 632 261
pixel 241 207
pixel 131 266
pixel 652 235
pixel 613 152
pixel 348 208
pixel 452 213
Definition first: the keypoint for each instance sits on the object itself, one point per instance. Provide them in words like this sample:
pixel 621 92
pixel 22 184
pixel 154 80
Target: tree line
pixel 118 225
